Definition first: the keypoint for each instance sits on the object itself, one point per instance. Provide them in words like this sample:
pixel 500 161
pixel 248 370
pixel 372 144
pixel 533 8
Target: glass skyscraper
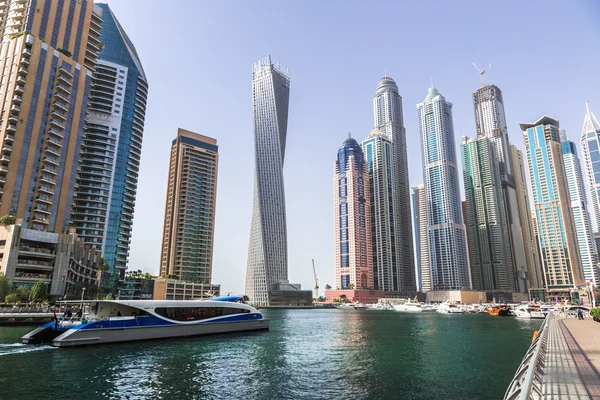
pixel 385 154
pixel 559 252
pixel 490 122
pixel 446 231
pixel 267 266
pixel 112 143
pixel 48 51
pixel 590 147
pixel 352 222
pixel 581 216
pixel 489 246
pixel 423 269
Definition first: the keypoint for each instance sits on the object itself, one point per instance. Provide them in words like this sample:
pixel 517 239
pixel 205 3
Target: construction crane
pixel 482 71
pixel 316 293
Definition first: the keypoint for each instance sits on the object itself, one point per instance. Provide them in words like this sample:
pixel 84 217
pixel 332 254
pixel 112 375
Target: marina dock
pixel 563 362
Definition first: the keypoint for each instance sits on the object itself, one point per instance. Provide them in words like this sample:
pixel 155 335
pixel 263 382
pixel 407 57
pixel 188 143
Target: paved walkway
pixel 583 341
pixel 560 378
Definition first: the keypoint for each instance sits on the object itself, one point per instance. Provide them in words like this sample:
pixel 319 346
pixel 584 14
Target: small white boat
pixel 108 321
pixel 345 306
pixel 411 306
pixel 527 311
pixel 450 308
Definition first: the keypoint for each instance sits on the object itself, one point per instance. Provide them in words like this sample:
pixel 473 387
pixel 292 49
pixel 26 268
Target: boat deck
pixel 566 364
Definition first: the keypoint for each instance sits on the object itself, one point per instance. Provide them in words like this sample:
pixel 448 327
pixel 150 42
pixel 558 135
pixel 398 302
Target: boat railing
pixel 527 381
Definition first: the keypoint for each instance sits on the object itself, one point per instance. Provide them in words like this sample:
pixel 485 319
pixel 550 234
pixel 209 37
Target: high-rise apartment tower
pixel 423 269
pixel 111 149
pixel 267 265
pixel 189 226
pixel 447 240
pixel 48 52
pixel 590 147
pixel 352 222
pixel 559 252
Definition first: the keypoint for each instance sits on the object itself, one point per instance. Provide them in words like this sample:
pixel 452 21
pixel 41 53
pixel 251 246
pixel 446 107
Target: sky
pixel 198 58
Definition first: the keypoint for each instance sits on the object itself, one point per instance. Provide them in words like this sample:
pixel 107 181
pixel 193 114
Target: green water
pixel 307 354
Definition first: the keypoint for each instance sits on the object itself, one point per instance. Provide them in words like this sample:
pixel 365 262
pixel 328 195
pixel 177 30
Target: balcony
pixel 65 89
pixel 13 118
pixel 5 158
pixel 18 98
pixel 59 114
pixel 63 80
pixel 45 189
pixel 22 70
pixel 21 80
pixel 54 142
pixel 4 169
pixel 25 61
pixel 44 199
pixel 64 71
pixel 11 128
pixel 15 107
pixel 47 179
pixel 53 151
pixel 60 106
pixel 7 147
pixel 56 132
pixel 49 170
pixel 2 179
pixel 51 160
pixel 39 220
pixel 36 251
pixel 42 209
pixel 61 96
pixel 19 89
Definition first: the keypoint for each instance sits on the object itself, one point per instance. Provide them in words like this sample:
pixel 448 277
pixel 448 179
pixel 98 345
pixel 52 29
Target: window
pixel 198 313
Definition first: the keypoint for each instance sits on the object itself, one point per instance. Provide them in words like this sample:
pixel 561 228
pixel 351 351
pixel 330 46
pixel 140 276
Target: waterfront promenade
pixel 563 362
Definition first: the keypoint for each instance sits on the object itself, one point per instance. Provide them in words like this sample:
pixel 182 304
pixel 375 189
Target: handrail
pixel 527 379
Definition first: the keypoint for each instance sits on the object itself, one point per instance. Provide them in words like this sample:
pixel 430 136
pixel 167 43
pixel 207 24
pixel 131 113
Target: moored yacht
pixel 528 311
pixel 108 321
pixel 450 308
pixel 411 306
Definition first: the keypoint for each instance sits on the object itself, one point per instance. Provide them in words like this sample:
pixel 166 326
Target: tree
pixel 103 265
pixel 148 276
pixel 8 220
pixel 12 298
pixel 23 293
pixel 328 287
pixel 39 291
pixel 5 286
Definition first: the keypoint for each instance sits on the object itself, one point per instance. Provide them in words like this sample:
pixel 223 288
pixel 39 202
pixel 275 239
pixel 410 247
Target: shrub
pixel 12 298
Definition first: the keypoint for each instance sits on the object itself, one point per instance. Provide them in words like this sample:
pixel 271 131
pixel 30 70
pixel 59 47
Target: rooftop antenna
pixel 587 107
pixel 349 135
pixel 432 82
pixel 385 72
pixel 482 72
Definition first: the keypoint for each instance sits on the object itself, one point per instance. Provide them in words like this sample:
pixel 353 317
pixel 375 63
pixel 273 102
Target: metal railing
pixel 527 382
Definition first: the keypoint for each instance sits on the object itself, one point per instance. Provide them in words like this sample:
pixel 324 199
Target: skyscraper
pixel 557 240
pixel 106 183
pixel 420 232
pixel 189 226
pixel 581 216
pixel 491 123
pixel 352 222
pixel 489 246
pixel 534 267
pixel 389 119
pixel 590 147
pixel 267 266
pixel 48 52
pixel 446 232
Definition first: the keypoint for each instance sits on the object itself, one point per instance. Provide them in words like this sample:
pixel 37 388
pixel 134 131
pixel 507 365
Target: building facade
pixel 173 289
pixel 59 260
pixel 489 242
pixel 189 226
pixel 534 274
pixel 423 271
pixel 106 183
pixel 581 217
pixel 136 289
pixel 490 122
pixel 267 264
pixel 352 219
pixel 555 227
pixel 590 147
pixel 389 121
pixel 48 52
pixel 447 240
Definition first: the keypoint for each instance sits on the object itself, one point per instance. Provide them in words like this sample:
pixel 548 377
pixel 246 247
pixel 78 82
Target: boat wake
pixel 7 349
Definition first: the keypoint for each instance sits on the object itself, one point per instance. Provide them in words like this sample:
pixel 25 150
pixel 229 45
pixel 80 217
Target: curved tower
pixel 106 185
pixel 267 253
pixel 447 233
pixel 590 146
pixel 351 209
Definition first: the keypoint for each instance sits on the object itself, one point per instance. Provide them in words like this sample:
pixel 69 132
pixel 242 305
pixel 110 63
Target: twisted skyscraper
pixel 267 266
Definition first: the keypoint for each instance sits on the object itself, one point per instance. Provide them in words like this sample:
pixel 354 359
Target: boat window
pixel 197 313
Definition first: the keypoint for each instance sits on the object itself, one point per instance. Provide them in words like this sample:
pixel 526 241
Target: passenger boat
pixel 498 310
pixel 528 311
pixel 450 308
pixel 411 306
pixel 108 321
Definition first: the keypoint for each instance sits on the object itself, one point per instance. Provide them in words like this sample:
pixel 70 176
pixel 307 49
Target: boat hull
pixel 83 337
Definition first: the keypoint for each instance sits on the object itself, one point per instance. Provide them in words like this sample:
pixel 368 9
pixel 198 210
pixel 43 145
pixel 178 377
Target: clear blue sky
pixel 198 57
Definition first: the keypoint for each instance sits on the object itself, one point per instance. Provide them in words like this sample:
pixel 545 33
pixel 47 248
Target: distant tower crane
pixel 316 293
pixel 482 71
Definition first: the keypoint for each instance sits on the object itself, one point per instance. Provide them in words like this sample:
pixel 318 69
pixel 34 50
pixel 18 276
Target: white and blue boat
pixel 109 321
